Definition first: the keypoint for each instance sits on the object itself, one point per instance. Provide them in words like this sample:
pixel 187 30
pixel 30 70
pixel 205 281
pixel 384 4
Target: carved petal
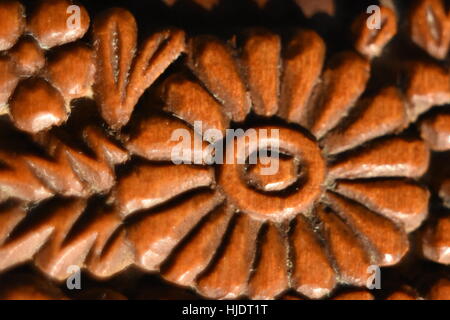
pixel 391 157
pixel 350 255
pixel 56 256
pixel 338 92
pixel 8 81
pixel 156 54
pixel 12 23
pixel 429 27
pixel 151 138
pixel 157 233
pixel 270 277
pixel 193 256
pixel 190 102
pixel 115 35
pixel 36 106
pixel 370 42
pixel 261 57
pixel 71 69
pixel 120 81
pixel 303 61
pixel 387 105
pixel 54 23
pixel 388 198
pixel 27 56
pixel 18 181
pixel 229 275
pixel 213 63
pixel 389 240
pixel 313 274
pixel 148 185
pixel 436 241
pixel 429 85
pixel 435 130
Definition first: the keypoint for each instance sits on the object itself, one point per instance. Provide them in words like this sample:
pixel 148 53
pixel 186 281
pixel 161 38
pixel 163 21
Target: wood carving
pixel 88 176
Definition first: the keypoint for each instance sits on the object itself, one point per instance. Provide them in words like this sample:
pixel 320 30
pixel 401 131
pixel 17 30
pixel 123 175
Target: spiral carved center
pixel 282 183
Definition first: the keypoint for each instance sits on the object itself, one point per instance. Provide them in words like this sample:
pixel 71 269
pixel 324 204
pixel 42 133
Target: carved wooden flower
pixel 345 196
pixel 37 87
pixel 44 68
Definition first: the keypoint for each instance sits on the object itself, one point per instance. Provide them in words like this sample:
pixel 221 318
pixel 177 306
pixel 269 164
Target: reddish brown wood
pixel 27 57
pixel 317 223
pixel 389 157
pixel 36 105
pixel 8 81
pixel 436 240
pixel 12 23
pixel 271 271
pixel 119 85
pixel 428 85
pixel 29 287
pixel 190 102
pixel 435 130
pixel 48 23
pixel 228 277
pixel 213 63
pixel 148 185
pixel 388 105
pixel 430 27
pixel 312 274
pixel 338 93
pixel 71 69
pixel 370 42
pixel 387 197
pixel 302 65
pixel 193 257
pixel 261 57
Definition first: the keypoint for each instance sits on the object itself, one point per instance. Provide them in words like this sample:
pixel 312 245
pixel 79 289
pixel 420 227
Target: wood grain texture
pixel 71 69
pixel 435 130
pixel 387 197
pixel 193 256
pixel 152 138
pixel 390 157
pixel 371 42
pixel 303 58
pixel 337 92
pixel 261 58
pixel 123 72
pixel 12 23
pixel 428 85
pixel 27 56
pixel 430 27
pixel 436 240
pixel 156 234
pixel 214 64
pixel 190 102
pixel 99 190
pixel 228 277
pixel 271 270
pixel 148 185
pixel 36 105
pixel 48 23
pixel 388 105
pixel 313 274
